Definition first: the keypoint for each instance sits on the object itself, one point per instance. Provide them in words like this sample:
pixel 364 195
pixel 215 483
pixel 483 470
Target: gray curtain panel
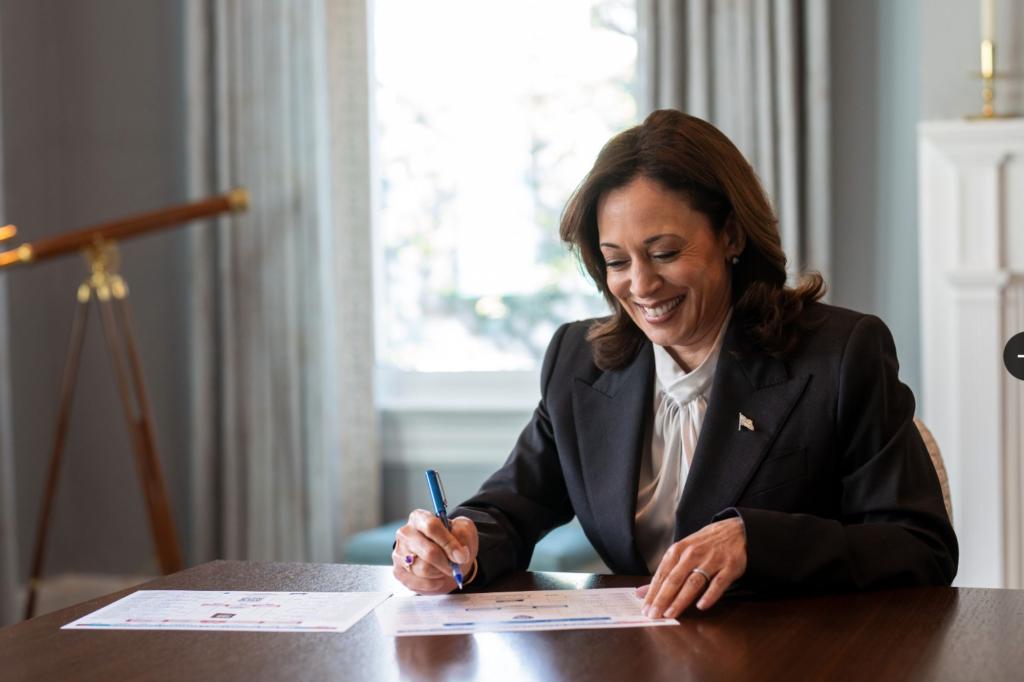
pixel 757 69
pixel 8 542
pixel 9 591
pixel 284 456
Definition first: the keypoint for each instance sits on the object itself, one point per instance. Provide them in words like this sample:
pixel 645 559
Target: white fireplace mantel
pixel 971 238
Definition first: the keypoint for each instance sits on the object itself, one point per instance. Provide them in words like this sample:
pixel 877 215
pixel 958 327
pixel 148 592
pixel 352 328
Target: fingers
pixel 434 529
pixel 667 562
pixel 442 585
pixel 465 530
pixel 408 541
pixel 678 588
pixel 430 571
pixel 411 563
pixel 699 567
pixel 714 592
pixel 426 537
pixel 692 586
pixel 418 575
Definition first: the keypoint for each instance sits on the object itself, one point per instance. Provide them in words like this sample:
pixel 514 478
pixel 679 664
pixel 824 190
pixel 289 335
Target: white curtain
pixel 758 70
pixel 284 449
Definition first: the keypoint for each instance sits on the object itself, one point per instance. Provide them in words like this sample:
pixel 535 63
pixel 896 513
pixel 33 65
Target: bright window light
pixel 488 114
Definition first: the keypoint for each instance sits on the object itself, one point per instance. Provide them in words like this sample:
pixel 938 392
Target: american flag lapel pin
pixel 745 423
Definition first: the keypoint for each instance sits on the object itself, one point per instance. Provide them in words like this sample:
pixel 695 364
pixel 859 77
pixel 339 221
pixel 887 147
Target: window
pixel 487 116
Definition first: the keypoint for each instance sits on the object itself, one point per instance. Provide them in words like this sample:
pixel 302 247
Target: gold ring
pixel 409 560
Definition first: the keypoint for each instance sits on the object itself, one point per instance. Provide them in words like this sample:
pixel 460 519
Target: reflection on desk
pixel 917 633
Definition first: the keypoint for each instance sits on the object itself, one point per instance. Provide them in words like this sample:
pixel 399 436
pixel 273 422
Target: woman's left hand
pixel 700 565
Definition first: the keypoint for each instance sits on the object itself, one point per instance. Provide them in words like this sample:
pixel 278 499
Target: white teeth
pixel 654 312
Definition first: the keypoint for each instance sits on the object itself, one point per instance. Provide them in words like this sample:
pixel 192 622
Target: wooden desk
pixel 923 633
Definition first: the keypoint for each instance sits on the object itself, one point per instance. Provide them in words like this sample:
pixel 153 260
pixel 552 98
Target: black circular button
pixel 1013 355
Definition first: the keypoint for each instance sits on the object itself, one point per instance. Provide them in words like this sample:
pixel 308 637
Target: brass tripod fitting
pixel 104 261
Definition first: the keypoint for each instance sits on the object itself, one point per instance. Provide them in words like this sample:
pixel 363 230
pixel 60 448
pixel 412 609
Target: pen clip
pixel 444 496
pixel 437 494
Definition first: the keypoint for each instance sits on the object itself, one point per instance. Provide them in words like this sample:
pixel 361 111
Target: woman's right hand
pixel 425 549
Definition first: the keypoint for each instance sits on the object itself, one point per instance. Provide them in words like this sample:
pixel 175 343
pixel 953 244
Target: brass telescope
pixel 87 237
pixel 105 289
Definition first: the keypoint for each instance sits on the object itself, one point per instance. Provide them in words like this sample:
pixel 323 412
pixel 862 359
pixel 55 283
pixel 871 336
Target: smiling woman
pixel 666 267
pixel 685 170
pixel 719 428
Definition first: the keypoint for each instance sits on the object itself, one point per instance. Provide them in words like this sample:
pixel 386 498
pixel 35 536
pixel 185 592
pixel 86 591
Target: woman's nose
pixel 644 281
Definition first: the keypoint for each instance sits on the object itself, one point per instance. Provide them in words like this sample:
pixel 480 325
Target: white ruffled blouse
pixel 680 401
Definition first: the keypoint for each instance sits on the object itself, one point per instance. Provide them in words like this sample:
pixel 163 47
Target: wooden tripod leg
pixel 168 546
pixel 67 392
pixel 137 413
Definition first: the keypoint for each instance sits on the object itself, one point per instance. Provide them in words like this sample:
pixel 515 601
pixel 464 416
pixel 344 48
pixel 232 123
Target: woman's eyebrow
pixel 651 240
pixel 648 241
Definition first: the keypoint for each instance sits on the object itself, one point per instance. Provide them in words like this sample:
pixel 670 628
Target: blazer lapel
pixel 611 417
pixel 727 456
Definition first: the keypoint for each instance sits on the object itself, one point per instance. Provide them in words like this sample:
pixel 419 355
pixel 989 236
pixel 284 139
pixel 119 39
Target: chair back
pixel 940 468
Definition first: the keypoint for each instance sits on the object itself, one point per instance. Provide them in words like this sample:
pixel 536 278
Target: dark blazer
pixel 834 484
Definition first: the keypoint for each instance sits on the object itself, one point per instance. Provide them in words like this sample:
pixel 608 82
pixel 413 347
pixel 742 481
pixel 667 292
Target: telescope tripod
pixel 108 289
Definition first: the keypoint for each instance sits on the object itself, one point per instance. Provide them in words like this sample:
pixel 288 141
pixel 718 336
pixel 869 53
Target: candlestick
pixel 988 78
pixel 988 20
pixel 988 59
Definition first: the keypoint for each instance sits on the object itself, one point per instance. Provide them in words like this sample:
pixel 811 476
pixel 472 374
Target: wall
pixel 875 86
pixel 894 64
pixel 949 54
pixel 92 130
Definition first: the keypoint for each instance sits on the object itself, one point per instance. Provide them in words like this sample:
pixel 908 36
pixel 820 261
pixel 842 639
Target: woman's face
pixel 666 266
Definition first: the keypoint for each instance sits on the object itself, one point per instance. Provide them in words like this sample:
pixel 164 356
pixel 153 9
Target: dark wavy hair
pixel 694 158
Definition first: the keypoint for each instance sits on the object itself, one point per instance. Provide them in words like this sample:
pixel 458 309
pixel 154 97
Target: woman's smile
pixel 656 313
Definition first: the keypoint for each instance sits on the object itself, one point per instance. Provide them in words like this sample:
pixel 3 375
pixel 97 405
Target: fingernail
pixel 462 555
pixel 669 614
pixel 700 605
pixel 647 611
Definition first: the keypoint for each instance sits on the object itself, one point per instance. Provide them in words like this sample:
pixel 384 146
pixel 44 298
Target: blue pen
pixel 441 511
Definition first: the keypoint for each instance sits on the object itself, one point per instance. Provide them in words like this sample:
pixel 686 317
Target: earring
pixel 735 260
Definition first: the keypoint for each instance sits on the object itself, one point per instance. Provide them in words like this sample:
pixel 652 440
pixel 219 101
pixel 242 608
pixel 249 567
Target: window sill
pixel 456 392
pixel 465 418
